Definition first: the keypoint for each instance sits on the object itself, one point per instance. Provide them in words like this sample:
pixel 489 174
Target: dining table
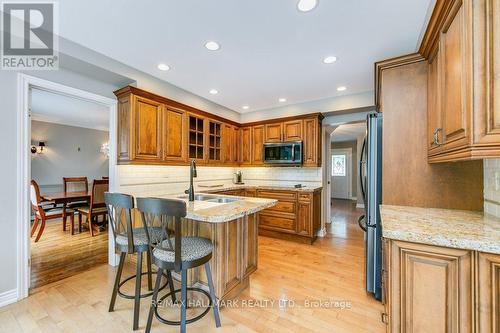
pixel 64 198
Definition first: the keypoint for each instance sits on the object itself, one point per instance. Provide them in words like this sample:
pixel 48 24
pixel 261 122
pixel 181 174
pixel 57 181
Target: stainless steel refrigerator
pixel 370 174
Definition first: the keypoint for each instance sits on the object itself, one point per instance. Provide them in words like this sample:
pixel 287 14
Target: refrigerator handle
pixel 361 224
pixel 361 162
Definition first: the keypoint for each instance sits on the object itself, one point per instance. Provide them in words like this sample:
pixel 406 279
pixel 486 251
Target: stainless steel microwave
pixel 283 153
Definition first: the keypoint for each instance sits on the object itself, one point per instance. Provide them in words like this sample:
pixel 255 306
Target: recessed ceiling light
pixel 306 5
pixel 212 46
pixel 245 107
pixel 341 88
pixel 330 60
pixel 214 91
pixel 282 100
pixel 163 67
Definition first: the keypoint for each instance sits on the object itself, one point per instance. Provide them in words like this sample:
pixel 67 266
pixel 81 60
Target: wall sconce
pixel 39 150
pixel 105 149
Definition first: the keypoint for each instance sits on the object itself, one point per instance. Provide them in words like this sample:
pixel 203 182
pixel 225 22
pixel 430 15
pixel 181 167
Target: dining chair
pixel 177 254
pixel 42 215
pixel 76 184
pixel 130 240
pixel 97 206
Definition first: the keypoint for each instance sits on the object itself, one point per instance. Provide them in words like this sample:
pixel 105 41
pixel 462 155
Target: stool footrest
pixel 127 296
pixel 188 321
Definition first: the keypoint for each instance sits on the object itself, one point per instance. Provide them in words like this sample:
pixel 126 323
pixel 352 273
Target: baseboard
pixel 8 297
pixel 360 205
pixel 354 198
pixel 322 232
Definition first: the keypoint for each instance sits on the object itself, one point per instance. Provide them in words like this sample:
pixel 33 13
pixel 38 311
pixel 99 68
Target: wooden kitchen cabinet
pixel 434 116
pixel 463 81
pixel 274 132
pixel 246 145
pixel 312 142
pixel 175 141
pixel 488 291
pixel 257 144
pixel 431 288
pixel 196 138
pixel 296 216
pixel 284 131
pixel 156 130
pixel 230 144
pixel 139 129
pixel 214 142
pixel 292 130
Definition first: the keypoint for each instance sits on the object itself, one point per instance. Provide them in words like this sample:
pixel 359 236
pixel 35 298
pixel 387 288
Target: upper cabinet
pixel 312 141
pixel 284 131
pixel 196 138
pixel 156 130
pixel 292 130
pixel 246 145
pixel 214 142
pixel 230 144
pixel 462 44
pixel 175 126
pixel 257 144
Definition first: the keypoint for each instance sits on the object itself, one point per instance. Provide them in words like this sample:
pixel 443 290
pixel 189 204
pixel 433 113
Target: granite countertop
pixel 443 227
pixel 253 185
pixel 213 212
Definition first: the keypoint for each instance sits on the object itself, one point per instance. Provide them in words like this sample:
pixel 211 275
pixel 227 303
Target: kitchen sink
pixel 212 198
pixel 223 200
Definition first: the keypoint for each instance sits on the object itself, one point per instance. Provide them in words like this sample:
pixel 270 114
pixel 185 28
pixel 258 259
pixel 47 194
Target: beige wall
pixel 354 164
pixel 70 152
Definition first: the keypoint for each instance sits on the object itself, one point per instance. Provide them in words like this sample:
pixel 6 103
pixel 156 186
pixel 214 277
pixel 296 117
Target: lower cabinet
pixel 488 291
pixel 434 289
pixel 296 216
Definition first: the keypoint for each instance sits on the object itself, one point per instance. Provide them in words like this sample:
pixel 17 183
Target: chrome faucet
pixel 192 174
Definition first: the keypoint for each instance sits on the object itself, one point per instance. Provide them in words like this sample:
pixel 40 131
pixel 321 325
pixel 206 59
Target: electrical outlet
pixel 497 181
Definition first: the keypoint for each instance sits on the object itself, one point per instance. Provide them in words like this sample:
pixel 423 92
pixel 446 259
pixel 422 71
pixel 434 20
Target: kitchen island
pixel 231 223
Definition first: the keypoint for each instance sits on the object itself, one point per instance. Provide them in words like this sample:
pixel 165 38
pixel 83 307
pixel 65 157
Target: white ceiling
pixel 60 109
pixel 348 132
pixel 268 48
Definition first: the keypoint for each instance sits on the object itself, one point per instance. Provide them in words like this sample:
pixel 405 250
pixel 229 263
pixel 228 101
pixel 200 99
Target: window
pixel 338 165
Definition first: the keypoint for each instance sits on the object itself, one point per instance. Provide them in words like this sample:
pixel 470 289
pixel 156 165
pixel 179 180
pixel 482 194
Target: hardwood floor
pixel 331 269
pixel 58 254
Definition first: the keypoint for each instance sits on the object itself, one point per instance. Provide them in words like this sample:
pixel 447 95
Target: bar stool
pixel 179 254
pixel 130 240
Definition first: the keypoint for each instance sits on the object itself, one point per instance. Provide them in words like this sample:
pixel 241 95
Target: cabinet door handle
pixel 437 136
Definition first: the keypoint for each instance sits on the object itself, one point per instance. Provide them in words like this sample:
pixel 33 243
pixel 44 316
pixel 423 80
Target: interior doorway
pixel 28 148
pixel 341 173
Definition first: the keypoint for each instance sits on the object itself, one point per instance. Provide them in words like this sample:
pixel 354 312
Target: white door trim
pixel 348 152
pixel 24 84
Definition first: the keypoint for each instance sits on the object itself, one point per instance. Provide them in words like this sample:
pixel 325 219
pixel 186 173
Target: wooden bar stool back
pixel 176 253
pixel 128 240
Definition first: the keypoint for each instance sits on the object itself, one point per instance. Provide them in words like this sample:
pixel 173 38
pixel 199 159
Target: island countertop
pixel 213 212
pixel 443 227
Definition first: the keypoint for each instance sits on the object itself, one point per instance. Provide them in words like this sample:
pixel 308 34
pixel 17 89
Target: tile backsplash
pixel 164 180
pixel 492 187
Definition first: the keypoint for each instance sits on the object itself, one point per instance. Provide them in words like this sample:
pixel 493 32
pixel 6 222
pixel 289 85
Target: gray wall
pixel 9 167
pixel 61 157
pixel 354 164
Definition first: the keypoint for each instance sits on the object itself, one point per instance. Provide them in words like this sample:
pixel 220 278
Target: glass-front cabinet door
pixel 214 141
pixel 196 141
